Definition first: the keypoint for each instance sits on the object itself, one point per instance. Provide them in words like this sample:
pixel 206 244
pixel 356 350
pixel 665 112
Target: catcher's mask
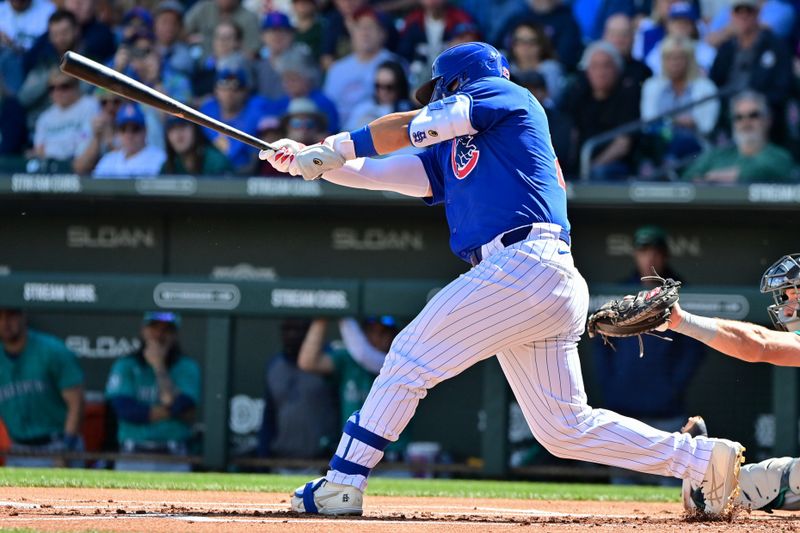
pixel 784 274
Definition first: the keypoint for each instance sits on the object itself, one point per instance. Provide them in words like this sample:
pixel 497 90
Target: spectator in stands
pixel 97 38
pixel 619 34
pixel 682 82
pixel 354 361
pixel 463 33
pixel 206 15
pixel 41 392
pixel 134 158
pixel 63 131
pixel 103 139
pixel 63 33
pixel 391 95
pixel 310 26
pixel 168 31
pixel 755 58
pixel 154 393
pixel 531 50
pixel 560 124
pixel 651 388
pixel 277 34
pixel 776 15
pixel 682 22
pixel 304 122
pixel 752 158
pixel 226 52
pixel 299 407
pixel 559 24
pixel 601 105
pixel 135 21
pixel 490 16
pixel 21 23
pixel 425 30
pixel 350 80
pixel 233 104
pixel 651 29
pixel 339 21
pixel 190 152
pixel 146 67
pixel 13 124
pixel 299 78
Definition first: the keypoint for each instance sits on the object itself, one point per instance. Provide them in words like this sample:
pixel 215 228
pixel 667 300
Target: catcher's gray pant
pixel 526 303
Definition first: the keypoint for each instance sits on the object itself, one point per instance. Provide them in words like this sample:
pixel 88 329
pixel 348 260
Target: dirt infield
pixel 162 511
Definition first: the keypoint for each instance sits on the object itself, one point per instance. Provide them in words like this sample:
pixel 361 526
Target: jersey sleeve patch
pixel 442 120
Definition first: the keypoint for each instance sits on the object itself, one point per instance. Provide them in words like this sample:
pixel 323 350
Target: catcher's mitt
pixel 635 314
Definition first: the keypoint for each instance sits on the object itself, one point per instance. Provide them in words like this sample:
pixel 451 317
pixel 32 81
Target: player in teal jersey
pixel 41 392
pixel 773 483
pixel 154 393
pixel 353 361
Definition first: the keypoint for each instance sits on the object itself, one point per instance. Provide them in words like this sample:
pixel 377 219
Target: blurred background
pixel 167 302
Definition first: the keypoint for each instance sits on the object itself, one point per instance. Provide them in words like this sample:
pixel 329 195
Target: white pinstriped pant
pixel 526 303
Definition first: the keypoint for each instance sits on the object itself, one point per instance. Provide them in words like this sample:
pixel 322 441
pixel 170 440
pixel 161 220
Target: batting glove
pixel 282 160
pixel 313 161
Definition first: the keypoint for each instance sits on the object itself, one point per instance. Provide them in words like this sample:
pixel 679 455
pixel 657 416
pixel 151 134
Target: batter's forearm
pixel 390 132
pixel 402 173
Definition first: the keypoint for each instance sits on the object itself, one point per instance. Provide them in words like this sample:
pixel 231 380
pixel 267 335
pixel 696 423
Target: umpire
pixel 41 392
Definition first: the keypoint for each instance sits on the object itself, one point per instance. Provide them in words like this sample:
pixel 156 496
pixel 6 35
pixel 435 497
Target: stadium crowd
pixel 309 68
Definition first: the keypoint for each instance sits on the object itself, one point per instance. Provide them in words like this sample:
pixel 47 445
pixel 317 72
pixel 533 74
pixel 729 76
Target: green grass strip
pixel 379 486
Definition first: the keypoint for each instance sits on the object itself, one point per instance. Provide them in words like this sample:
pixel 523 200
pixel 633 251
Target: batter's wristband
pixel 362 142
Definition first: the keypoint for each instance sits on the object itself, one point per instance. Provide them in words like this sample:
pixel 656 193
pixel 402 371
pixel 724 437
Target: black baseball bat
pixel 92 72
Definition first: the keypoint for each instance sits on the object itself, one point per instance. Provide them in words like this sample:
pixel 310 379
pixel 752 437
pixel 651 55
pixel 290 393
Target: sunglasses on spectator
pixel 61 86
pixel 385 86
pixel 530 41
pixel 110 101
pixel 140 52
pixel 744 9
pixel 753 115
pixel 302 123
pixel 130 128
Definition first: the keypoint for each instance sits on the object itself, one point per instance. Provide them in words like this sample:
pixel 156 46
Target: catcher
pixel 770 484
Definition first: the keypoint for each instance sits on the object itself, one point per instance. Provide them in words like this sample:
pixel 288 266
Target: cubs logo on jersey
pixel 464 156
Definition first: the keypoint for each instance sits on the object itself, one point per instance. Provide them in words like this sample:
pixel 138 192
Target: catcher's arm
pixel 742 340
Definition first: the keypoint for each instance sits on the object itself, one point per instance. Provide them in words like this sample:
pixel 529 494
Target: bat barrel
pixel 94 73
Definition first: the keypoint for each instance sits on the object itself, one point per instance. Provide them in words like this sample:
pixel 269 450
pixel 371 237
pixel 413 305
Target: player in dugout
pixel 41 393
pixel 488 158
pixel 773 483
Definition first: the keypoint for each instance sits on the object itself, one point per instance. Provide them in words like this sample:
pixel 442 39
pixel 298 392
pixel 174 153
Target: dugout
pixel 85 257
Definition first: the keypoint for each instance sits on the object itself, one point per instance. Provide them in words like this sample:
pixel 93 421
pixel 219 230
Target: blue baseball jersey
pixel 503 177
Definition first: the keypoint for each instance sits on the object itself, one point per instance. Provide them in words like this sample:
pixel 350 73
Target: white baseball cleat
pixel 720 487
pixel 324 497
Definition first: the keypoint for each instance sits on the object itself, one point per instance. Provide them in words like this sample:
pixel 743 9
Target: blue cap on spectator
pixel 129 114
pixel 384 320
pixel 170 5
pixel 275 20
pixel 162 316
pixel 141 13
pixel 463 29
pixel 228 74
pixel 682 10
pixel 172 120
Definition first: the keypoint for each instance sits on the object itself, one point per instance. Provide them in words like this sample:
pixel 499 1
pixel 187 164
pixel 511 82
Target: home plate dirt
pixel 171 511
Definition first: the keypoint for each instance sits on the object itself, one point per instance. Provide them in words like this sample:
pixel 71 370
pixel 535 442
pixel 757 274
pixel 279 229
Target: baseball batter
pixel 774 483
pixel 489 160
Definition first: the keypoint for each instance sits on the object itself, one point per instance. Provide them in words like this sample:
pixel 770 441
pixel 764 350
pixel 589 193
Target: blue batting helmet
pixel 458 66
